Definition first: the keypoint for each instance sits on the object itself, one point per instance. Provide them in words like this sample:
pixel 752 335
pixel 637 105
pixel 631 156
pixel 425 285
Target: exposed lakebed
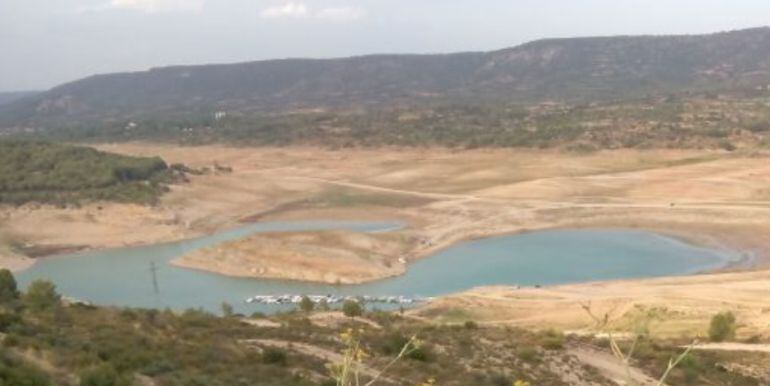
pixel 123 277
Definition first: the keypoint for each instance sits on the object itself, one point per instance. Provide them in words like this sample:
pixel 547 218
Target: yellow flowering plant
pixel 349 370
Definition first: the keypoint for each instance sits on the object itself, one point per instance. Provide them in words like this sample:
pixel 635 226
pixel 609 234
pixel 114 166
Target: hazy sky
pixel 47 42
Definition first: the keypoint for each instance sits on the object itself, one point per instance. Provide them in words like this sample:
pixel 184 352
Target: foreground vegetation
pixel 48 341
pixel 66 174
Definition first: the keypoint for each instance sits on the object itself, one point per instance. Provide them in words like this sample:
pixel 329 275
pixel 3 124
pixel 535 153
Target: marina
pixel 332 299
pixel 532 259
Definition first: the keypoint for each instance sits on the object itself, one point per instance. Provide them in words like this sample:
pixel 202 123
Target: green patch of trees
pixel 41 295
pixel 66 174
pixel 679 121
pixel 14 372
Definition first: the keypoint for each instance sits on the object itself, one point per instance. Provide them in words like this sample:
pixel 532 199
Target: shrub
pixel 500 380
pixel 529 354
pixel 16 373
pixel 395 342
pixel 727 145
pixel 7 320
pixel 158 367
pixel 722 327
pixel 197 318
pixel 274 356
pixel 420 354
pixel 552 340
pixel 8 290
pixel 103 375
pixel 306 304
pixel 41 295
pixel 352 308
pixel 11 340
pixel 691 369
pixel 471 325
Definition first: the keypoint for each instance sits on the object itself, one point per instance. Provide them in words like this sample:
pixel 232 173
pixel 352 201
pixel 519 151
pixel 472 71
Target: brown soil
pixel 674 307
pixel 445 196
pixel 331 257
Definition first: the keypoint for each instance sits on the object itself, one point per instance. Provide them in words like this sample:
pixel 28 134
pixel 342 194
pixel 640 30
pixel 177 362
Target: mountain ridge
pixel 566 70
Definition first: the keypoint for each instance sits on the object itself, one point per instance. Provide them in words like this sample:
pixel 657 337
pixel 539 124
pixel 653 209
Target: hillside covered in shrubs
pixel 46 339
pixel 700 91
pixel 65 174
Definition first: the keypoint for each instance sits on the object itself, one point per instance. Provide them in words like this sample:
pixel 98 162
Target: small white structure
pixel 331 299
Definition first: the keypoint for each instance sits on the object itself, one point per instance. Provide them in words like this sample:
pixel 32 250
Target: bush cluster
pixel 66 174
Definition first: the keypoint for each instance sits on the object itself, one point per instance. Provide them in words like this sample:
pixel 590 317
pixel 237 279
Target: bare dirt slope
pixel 674 307
pixel 444 196
pixel 307 256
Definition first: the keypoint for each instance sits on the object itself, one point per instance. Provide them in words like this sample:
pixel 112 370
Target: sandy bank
pixel 15 263
pixel 334 257
pixel 674 307
pixel 717 199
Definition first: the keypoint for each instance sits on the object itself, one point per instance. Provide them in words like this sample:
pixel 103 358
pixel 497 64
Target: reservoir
pixel 123 277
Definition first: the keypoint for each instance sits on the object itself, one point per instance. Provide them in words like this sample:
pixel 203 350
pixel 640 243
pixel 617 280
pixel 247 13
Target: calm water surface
pixel 122 276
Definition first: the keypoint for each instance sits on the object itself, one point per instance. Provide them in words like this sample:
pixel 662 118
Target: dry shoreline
pixel 716 200
pixel 754 263
pixel 357 257
pixel 446 197
pixel 671 307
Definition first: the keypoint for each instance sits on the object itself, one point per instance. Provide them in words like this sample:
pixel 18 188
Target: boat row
pixel 332 299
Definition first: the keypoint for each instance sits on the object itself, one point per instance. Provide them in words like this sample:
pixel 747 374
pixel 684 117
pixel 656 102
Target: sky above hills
pixel 47 42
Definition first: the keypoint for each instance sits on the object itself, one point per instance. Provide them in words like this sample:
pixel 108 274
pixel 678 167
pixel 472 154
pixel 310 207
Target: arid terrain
pixel 677 307
pixel 356 257
pixel 717 198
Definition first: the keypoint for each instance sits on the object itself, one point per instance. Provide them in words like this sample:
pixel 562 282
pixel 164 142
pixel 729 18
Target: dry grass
pixel 678 307
pixel 445 196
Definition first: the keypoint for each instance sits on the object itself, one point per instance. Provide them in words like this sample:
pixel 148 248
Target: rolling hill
pixel 575 71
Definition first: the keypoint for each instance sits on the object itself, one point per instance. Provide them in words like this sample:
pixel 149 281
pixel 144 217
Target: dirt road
pixel 745 347
pixel 611 367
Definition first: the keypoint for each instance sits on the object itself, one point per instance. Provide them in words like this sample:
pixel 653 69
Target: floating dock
pixel 333 299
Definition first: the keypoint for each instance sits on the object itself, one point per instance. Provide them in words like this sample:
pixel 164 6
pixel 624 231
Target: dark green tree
pixel 41 295
pixel 722 327
pixel 352 308
pixel 8 288
pixel 306 304
pixel 274 356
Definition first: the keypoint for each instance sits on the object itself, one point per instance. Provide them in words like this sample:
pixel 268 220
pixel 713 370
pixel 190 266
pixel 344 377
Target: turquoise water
pixel 122 276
